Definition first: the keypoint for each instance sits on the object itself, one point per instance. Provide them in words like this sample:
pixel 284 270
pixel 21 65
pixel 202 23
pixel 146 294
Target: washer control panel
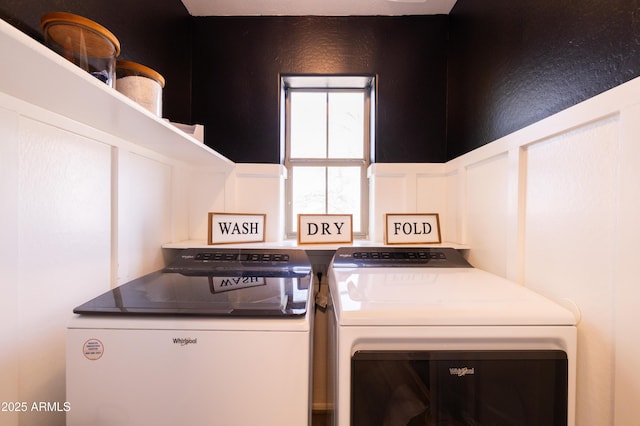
pixel 266 262
pixel 225 256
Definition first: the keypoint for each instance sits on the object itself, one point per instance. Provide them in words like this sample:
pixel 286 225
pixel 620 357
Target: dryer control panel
pixel 423 257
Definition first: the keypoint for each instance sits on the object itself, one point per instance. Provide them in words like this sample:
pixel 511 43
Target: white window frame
pixel 364 84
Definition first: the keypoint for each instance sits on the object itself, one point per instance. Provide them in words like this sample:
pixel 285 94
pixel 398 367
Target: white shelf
pixel 294 244
pixel 37 75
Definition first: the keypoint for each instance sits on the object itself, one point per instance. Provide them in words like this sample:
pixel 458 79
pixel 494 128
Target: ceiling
pixel 317 7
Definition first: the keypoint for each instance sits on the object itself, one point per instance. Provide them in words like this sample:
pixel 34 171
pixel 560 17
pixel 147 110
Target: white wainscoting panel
pixel 64 247
pixel 571 192
pixel 555 207
pixel 406 188
pixel 260 188
pixel 486 213
pixel 9 258
pixel 144 214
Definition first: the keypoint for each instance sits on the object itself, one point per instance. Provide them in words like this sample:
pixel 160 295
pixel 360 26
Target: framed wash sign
pixel 412 228
pixel 229 228
pixel 325 228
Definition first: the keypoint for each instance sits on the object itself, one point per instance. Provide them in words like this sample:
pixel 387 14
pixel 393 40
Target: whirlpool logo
pixel 184 341
pixel 462 371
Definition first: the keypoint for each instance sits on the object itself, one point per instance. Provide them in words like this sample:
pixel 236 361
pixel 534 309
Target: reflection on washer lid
pixel 161 293
pixel 216 282
pixel 438 296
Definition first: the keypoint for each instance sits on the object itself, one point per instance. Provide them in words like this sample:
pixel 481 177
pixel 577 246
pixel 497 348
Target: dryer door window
pixel 459 388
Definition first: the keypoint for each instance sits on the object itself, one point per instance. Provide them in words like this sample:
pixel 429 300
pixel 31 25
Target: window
pixel 327 139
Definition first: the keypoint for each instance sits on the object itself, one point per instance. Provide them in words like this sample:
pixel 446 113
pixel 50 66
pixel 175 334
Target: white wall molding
pixel 564 200
pixel 405 188
pixel 260 188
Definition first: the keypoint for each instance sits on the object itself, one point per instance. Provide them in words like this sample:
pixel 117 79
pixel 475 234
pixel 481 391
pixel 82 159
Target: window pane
pixel 344 192
pixel 308 125
pixel 346 125
pixel 308 192
pixel 327 140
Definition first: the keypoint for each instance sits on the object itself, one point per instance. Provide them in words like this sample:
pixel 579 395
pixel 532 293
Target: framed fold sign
pixel 229 228
pixel 412 228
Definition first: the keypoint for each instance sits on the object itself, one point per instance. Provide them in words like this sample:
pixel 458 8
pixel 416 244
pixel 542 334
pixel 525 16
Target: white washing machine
pixel 220 337
pixel 419 337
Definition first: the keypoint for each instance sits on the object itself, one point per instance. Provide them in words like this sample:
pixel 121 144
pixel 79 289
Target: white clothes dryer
pixel 419 337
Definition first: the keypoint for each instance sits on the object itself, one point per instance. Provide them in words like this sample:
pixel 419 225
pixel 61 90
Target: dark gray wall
pixel 238 60
pixel 447 85
pixel 154 33
pixel 513 63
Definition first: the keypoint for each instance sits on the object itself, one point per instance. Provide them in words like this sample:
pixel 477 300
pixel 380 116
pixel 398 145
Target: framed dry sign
pixel 412 228
pixel 325 228
pixel 229 228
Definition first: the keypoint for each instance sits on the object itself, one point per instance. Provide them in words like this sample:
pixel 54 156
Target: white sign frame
pixel 325 234
pixel 236 226
pixel 412 228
